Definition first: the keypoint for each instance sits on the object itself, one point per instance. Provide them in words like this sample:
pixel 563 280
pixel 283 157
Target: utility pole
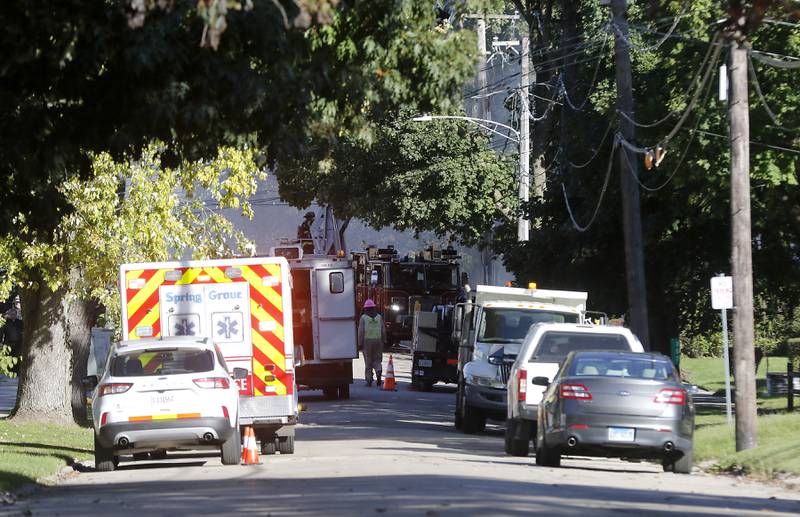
pixel 480 109
pixel 523 224
pixel 741 245
pixel 631 211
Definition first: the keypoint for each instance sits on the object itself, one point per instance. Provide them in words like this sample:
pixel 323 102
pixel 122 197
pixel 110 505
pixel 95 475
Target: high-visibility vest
pixel 372 328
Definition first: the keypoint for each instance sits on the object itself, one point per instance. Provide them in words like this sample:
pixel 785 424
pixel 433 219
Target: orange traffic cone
pixel 388 381
pixel 249 449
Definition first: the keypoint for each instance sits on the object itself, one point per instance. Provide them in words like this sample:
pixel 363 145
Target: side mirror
pixel 541 381
pixel 239 373
pixel 90 382
pixel 497 358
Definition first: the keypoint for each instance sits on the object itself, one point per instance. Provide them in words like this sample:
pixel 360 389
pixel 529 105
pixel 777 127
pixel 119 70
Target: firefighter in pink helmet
pixel 371 338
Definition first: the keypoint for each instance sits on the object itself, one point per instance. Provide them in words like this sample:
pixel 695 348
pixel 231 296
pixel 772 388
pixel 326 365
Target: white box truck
pixel 490 328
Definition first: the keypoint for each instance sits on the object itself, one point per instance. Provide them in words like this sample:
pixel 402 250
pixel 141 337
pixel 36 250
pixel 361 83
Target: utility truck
pixel 244 306
pixel 489 328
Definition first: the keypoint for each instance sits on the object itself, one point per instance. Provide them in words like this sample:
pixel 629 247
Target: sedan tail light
pixel 113 388
pixel 213 383
pixel 671 396
pixel 522 384
pixel 575 391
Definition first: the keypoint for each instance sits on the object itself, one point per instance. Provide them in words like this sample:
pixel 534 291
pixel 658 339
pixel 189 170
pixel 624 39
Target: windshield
pixel 616 365
pixel 421 277
pixel 162 362
pixel 554 346
pixel 507 325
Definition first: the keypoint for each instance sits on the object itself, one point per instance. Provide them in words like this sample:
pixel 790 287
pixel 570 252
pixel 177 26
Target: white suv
pixel 164 393
pixel 544 349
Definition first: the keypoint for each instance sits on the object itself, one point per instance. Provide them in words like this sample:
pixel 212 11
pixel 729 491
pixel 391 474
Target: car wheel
pixel 104 459
pixel 427 386
pixel 231 449
pixel 474 420
pixel 457 418
pixel 683 465
pixel 547 456
pixel 344 392
pixel 518 437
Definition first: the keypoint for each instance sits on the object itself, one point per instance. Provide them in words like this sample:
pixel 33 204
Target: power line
pixel 575 224
pixel 763 99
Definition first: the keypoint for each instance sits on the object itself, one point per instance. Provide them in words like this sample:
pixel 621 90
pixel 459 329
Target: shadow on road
pixel 428 495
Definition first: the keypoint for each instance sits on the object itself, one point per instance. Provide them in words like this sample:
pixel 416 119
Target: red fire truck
pixel 401 286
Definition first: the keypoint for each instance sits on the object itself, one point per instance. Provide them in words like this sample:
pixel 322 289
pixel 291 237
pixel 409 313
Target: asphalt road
pixel 396 453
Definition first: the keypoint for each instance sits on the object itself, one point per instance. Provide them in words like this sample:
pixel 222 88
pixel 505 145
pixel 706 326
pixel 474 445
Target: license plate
pixel 425 363
pixel 161 400
pixel 621 434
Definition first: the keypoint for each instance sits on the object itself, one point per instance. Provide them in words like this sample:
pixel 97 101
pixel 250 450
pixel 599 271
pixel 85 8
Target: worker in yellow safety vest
pixel 371 337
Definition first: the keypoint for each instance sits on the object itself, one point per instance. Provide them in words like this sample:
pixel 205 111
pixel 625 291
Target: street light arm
pixel 481 122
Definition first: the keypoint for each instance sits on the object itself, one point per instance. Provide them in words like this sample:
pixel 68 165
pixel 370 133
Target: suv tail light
pixel 671 396
pixel 213 383
pixel 575 391
pixel 113 388
pixel 522 384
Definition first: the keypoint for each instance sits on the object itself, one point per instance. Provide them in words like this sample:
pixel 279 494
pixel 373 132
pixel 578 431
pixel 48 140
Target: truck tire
pixel 330 393
pixel 104 459
pixel 344 392
pixel 474 420
pixel 458 420
pixel 682 465
pixel 231 449
pixel 268 446
pixel 518 437
pixel 286 444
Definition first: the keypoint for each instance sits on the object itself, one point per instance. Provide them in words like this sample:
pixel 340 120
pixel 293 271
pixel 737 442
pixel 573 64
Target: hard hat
pixel 369 303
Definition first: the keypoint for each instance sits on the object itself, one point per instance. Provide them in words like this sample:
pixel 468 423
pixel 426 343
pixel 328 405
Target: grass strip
pixel 778 450
pixel 30 451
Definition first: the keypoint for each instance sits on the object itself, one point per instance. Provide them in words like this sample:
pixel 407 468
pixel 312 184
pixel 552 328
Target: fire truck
pixel 245 306
pixel 324 317
pixel 402 286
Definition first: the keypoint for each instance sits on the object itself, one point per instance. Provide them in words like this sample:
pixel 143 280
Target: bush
pixel 702 345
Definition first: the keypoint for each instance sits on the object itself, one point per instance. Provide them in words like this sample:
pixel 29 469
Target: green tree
pixel 77 78
pixel 437 176
pixel 135 210
pixel 685 210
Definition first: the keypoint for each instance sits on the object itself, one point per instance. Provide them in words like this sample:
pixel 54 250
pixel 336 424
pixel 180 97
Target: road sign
pixel 722 292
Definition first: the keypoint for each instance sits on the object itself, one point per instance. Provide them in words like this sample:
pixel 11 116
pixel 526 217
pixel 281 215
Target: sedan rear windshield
pixel 162 362
pixel 611 365
pixel 554 346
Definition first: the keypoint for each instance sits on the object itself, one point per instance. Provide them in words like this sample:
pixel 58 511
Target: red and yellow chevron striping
pixel 266 314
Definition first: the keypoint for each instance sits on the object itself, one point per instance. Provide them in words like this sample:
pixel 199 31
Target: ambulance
pixel 244 306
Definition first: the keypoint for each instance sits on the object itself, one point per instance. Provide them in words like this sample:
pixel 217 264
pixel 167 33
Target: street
pixel 397 453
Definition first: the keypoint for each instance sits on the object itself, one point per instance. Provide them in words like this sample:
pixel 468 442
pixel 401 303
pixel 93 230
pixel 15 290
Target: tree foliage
pixel 437 176
pixel 685 201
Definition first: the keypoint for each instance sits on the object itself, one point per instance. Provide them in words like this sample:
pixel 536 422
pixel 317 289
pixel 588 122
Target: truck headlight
pixel 395 307
pixel 485 382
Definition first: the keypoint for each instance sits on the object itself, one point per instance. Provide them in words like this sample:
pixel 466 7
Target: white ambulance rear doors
pixel 335 324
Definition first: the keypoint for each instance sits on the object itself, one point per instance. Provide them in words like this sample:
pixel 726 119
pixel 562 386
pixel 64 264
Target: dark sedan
pixel 616 404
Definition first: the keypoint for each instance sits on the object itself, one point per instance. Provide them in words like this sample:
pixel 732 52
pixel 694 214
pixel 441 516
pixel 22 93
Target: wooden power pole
pixel 631 211
pixel 744 369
